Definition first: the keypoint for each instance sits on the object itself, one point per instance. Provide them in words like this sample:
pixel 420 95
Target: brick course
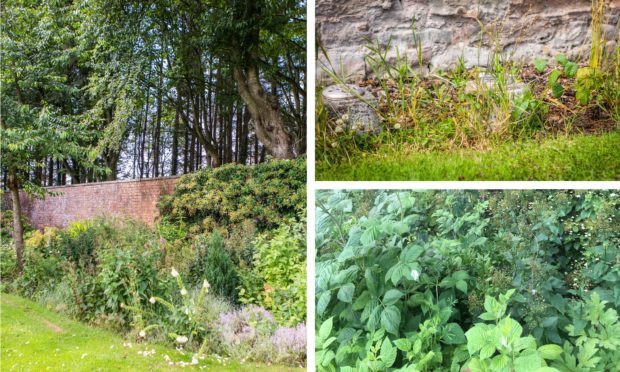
pixel 136 199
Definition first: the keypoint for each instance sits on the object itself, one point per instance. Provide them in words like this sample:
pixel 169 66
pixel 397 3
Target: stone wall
pixel 136 199
pixel 449 29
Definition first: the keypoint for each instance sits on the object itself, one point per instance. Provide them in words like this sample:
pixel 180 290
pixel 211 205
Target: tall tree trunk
pixel 265 111
pixel 18 228
pixel 175 145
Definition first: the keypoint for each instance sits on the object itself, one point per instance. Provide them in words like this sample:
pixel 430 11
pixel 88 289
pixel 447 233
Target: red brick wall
pixel 135 199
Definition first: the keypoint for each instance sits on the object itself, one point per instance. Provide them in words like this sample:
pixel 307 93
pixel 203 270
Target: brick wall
pixel 135 199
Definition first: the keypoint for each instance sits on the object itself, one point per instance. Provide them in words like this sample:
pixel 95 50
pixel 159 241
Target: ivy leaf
pixel 345 293
pixel 392 296
pixel 390 319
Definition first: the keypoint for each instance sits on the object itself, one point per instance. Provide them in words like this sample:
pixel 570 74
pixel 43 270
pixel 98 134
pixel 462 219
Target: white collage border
pixel 313 186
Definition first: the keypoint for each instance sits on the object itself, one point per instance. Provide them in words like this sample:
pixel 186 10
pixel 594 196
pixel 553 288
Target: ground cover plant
pixel 467 280
pixel 223 288
pixel 548 104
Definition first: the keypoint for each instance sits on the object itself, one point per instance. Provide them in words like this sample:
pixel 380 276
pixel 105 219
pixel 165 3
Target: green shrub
pixel 278 276
pixel 400 277
pixel 214 264
pixel 8 261
pixel 224 198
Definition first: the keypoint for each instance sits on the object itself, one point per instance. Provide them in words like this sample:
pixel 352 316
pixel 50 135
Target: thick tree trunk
pixel 175 145
pixel 265 112
pixel 18 228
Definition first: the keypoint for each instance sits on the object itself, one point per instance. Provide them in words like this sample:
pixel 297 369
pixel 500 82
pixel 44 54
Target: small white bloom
pixel 194 360
pixel 345 117
pixel 183 292
pixel 339 129
pixel 142 334
pixel 181 339
pixel 186 311
pixel 397 126
pixel 152 300
pixel 533 291
pixel 415 274
pixel 84 356
pixel 206 284
pixel 174 273
pixel 334 144
pixel 339 122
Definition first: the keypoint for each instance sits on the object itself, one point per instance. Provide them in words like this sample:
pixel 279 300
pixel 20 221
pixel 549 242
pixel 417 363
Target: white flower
pixel 186 311
pixel 345 117
pixel 194 360
pixel 334 144
pixel 339 129
pixel 84 356
pixel 181 339
pixel 183 292
pixel 397 126
pixel 533 291
pixel 152 300
pixel 339 122
pixel 174 273
pixel 206 284
pixel 415 274
pixel 142 334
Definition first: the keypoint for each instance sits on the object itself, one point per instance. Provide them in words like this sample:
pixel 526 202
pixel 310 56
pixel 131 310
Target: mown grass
pixel 35 339
pixel 567 157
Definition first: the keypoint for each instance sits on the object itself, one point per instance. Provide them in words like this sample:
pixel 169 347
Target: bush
pixel 403 278
pixel 277 279
pixel 8 261
pixel 225 197
pixel 214 264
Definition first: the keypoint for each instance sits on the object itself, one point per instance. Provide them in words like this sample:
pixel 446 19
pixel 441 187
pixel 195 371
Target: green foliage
pixel 225 198
pixel 417 269
pixel 540 65
pixel 214 264
pixel 501 347
pixel 277 280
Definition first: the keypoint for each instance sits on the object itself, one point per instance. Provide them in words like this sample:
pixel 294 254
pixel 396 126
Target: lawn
pixel 36 339
pixel 575 157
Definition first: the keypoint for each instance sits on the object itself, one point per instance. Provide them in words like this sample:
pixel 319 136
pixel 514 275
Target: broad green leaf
pixel 550 351
pixel 403 344
pixel 361 301
pixel 326 329
pixel 453 334
pixel 526 363
pixel 461 285
pixel 392 296
pixel 345 293
pixel 322 303
pixel 390 319
pixel 388 353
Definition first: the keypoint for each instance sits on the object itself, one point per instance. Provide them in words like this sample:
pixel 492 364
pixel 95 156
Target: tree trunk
pixel 18 228
pixel 175 145
pixel 265 112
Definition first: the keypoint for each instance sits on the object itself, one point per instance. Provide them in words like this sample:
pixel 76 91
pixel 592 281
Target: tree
pixel 37 85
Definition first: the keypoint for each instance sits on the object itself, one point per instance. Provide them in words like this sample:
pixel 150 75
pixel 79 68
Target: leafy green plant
pixel 540 65
pixel 501 347
pixel 214 264
pixel 277 278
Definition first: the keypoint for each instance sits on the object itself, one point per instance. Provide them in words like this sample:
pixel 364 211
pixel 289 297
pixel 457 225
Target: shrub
pixel 266 194
pixel 8 261
pixel 277 279
pixel 402 277
pixel 214 263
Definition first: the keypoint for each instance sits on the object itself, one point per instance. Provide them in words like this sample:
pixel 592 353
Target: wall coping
pixel 116 181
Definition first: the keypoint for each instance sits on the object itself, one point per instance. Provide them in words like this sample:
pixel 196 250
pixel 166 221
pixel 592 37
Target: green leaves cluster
pixel 423 271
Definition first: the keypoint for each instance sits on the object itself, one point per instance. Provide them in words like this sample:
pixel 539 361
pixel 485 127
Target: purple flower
pixel 291 340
